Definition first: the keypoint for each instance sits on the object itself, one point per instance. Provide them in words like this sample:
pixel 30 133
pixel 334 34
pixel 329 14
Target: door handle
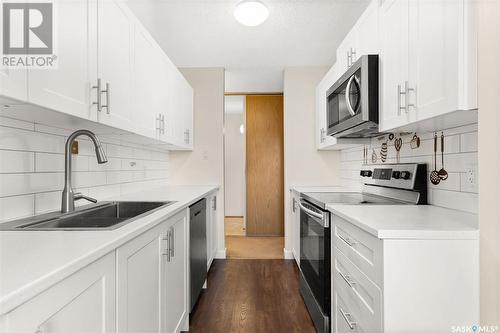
pixel 167 253
pixel 348 318
pixel 347 279
pixel 407 97
pixel 400 93
pixel 346 240
pixel 352 112
pixel 172 242
pixel 107 106
pixel 99 99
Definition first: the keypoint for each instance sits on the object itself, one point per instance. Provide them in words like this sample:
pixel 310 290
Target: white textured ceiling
pixel 204 33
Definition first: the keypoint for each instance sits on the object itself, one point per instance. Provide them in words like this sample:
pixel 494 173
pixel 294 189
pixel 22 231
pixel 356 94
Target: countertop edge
pixel 408 234
pixel 19 296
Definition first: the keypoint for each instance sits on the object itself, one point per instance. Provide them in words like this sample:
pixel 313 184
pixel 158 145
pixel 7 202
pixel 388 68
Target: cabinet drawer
pixel 359 293
pixel 363 249
pixel 345 320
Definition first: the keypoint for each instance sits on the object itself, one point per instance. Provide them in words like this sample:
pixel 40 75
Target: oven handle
pixel 313 214
pixel 347 100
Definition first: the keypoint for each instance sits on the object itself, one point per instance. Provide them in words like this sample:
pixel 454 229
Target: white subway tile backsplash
pixel 32 168
pixel 16 207
pixel 16 161
pixel 459 191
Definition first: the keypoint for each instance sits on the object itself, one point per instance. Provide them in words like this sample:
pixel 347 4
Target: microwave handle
pixel 347 100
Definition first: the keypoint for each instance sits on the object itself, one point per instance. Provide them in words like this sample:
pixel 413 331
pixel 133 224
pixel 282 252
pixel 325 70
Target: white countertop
pixel 409 221
pixel 31 261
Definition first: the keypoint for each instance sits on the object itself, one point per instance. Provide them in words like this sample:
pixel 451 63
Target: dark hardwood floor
pixel 251 296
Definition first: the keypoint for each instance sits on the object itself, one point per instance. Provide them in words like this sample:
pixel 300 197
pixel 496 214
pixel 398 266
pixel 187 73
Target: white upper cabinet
pixel 68 87
pixel 346 52
pixel 429 50
pixel 115 63
pixel 149 86
pixel 182 110
pixel 367 31
pixel 393 62
pixel 322 139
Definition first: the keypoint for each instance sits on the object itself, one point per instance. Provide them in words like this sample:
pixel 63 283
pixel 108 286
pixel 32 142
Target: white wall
pixel 32 168
pixel 489 160
pixel 205 164
pixel 234 160
pixel 250 80
pixel 304 165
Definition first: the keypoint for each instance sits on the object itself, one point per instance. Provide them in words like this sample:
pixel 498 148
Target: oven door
pixel 315 252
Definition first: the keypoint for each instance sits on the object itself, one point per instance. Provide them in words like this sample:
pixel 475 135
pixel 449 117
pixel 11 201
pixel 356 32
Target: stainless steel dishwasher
pixel 197 248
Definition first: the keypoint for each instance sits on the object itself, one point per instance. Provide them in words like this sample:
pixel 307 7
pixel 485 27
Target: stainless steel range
pixel 387 184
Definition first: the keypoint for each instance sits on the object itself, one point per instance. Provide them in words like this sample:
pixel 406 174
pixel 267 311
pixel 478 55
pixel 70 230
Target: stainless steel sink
pixel 102 216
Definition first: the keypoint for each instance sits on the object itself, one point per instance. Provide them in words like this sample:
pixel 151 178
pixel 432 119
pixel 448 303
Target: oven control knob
pixel 405 175
pixel 396 174
pixel 366 173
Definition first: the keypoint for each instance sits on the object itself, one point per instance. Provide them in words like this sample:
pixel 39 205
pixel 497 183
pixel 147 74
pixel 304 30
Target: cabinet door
pixel 182 108
pixel 434 56
pixel 115 63
pixel 68 87
pixel 367 31
pixel 13 83
pixel 296 227
pixel 323 140
pixel 83 302
pixel 346 52
pixel 148 85
pixel 393 62
pixel 139 265
pixel 175 282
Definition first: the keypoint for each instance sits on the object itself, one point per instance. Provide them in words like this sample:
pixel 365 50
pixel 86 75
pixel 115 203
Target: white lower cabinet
pixel 152 279
pixel 295 214
pixel 211 229
pixel 402 285
pixel 83 302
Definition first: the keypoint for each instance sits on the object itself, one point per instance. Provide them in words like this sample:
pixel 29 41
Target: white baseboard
pixel 220 254
pixel 287 254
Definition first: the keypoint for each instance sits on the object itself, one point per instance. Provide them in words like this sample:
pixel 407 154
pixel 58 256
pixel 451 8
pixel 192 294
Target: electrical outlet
pixel 469 179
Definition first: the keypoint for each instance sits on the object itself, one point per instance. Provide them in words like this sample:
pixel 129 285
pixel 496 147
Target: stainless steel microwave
pixel 352 102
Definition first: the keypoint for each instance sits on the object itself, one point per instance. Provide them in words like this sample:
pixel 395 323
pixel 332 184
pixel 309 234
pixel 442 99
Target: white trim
pixel 287 254
pixel 220 254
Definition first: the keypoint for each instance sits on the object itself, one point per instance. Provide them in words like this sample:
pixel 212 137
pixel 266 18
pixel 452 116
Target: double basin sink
pixel 101 216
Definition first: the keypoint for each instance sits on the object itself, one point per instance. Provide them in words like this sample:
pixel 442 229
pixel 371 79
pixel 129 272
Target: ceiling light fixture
pixel 251 13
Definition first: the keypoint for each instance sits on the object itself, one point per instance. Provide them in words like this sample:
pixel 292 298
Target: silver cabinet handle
pixel 107 106
pixel 187 136
pixel 407 97
pixel 353 56
pixel 163 123
pixel 349 58
pixel 167 253
pixel 99 99
pixel 348 318
pixel 293 204
pixel 347 279
pixel 347 99
pixel 401 93
pixel 347 240
pixel 158 123
pixel 172 242
pixel 214 201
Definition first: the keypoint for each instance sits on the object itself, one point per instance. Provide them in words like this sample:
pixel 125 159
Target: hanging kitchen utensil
pixel 391 136
pixel 435 179
pixel 365 161
pixel 415 142
pixel 443 174
pixel 383 152
pixel 398 143
pixel 374 156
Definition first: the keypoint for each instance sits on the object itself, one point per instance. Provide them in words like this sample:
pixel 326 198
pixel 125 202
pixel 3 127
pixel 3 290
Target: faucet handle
pixel 78 196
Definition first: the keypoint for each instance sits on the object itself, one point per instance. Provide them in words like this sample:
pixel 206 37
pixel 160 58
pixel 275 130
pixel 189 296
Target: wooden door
pixel 264 153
